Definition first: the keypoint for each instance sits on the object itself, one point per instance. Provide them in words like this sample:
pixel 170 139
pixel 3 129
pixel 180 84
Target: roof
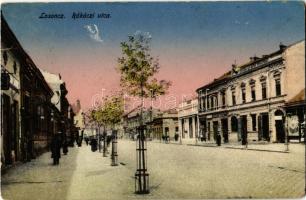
pixel 228 74
pixel 220 79
pixel 7 35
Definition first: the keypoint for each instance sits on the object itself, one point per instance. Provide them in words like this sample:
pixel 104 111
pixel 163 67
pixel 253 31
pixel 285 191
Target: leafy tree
pixel 137 68
pixel 109 112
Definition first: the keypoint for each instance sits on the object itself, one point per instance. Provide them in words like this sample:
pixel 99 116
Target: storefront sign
pixel 278 117
pixel 293 125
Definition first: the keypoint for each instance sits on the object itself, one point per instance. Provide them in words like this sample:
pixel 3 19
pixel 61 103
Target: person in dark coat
pixel 56 149
pixel 65 146
pixel 218 139
pixel 94 144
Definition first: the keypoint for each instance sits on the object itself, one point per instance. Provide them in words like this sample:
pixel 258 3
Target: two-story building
pixel 247 103
pixel 188 119
pixel 165 124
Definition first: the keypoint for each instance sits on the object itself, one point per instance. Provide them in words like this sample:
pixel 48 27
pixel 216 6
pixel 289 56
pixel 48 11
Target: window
pixel 208 103
pixel 15 67
pixel 212 102
pixel 233 98
pixel 253 94
pixel 5 57
pixel 264 90
pixel 223 98
pixel 243 95
pixel 203 103
pixel 253 116
pixel 278 87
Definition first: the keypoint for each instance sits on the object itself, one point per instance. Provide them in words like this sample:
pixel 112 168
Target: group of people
pixel 93 142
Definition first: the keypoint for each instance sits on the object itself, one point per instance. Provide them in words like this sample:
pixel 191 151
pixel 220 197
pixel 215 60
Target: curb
pixel 251 149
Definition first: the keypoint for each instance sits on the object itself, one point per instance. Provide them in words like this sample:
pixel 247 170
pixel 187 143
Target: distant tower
pixel 78 106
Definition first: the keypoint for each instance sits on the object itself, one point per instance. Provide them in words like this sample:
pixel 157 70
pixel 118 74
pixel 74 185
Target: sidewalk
pixel 268 147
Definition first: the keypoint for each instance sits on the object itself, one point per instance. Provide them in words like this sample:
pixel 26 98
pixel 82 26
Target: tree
pixel 108 114
pixel 137 69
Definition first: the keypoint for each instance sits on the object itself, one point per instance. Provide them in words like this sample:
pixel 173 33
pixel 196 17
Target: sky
pixel 194 42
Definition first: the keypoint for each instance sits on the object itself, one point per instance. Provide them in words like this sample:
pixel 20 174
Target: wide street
pixel 176 172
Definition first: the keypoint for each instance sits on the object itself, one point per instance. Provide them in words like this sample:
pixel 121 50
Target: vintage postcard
pixel 153 100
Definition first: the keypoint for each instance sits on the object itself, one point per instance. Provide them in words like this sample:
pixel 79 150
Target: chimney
pixel 255 58
pixel 282 47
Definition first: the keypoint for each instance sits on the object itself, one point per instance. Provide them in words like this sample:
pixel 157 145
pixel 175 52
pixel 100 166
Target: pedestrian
pixel 218 139
pixel 65 146
pixel 93 144
pixel 86 140
pixel 108 140
pixel 56 149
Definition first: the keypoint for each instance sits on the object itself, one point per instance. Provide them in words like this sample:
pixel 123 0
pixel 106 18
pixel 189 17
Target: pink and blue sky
pixel 195 42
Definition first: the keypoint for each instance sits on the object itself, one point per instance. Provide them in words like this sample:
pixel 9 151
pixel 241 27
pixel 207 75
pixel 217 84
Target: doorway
pixel 215 129
pixel 279 126
pixel 6 129
pixel 243 129
pixel 224 124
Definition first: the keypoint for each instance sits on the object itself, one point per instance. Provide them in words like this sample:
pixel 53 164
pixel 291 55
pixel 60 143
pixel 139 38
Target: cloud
pixel 93 32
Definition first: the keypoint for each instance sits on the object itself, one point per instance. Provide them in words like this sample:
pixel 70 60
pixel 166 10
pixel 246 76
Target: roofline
pixel 6 27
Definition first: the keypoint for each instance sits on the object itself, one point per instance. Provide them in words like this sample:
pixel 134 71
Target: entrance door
pixel 279 126
pixel 6 129
pixel 265 127
pixel 259 128
pixel 225 130
pixel 280 134
pixel 15 130
pixel 244 132
pixel 183 128
pixel 215 128
pixel 190 128
pixel 208 131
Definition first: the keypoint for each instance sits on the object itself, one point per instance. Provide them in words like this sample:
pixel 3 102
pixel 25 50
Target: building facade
pixel 165 125
pixel 131 121
pixel 63 122
pixel 246 104
pixel 11 62
pixel 27 114
pixel 188 119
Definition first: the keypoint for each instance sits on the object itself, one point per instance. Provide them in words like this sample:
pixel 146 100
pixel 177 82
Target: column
pixel 193 126
pixel 180 128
